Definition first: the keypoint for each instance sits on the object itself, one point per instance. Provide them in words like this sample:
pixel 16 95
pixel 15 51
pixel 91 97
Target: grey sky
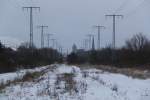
pixel 71 20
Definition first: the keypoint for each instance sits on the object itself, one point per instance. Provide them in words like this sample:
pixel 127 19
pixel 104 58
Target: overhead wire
pixel 135 9
pixel 132 11
pixel 122 6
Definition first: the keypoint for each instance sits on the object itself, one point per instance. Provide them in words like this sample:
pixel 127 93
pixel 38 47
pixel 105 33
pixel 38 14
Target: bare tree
pixel 26 45
pixel 138 42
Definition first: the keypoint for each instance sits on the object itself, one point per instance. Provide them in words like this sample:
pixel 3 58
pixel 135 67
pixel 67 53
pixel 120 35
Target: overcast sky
pixel 71 20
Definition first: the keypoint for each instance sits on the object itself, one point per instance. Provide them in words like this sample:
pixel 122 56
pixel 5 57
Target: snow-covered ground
pixel 18 74
pixel 63 82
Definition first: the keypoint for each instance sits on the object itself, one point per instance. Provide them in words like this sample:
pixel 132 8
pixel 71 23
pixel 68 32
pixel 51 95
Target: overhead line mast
pixel 31 23
pixel 114 16
pixel 99 31
pixel 42 34
pixel 48 40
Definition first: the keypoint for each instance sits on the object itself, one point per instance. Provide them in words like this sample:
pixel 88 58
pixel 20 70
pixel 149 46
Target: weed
pixel 31 76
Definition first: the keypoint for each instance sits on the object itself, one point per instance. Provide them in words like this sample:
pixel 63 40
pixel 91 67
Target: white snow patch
pixel 90 84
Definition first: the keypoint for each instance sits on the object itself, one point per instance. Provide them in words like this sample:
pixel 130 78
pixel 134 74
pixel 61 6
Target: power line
pixel 53 43
pixel 114 16
pixel 129 14
pixel 99 31
pixel 48 40
pixel 42 34
pixel 57 45
pixel 85 44
pixel 122 6
pixel 31 22
pixel 135 9
pixel 90 40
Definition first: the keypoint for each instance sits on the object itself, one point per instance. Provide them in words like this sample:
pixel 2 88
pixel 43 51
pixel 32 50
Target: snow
pixel 85 84
pixel 18 75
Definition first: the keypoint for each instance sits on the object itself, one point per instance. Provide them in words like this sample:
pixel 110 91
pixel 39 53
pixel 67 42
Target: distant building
pixel 93 44
pixel 74 48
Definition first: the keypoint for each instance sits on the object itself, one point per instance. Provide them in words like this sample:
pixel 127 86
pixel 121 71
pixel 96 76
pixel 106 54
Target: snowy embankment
pixel 63 82
pixel 4 78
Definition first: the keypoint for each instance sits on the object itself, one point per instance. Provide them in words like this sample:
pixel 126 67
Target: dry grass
pixel 28 77
pixel 70 83
pixel 31 76
pixel 134 72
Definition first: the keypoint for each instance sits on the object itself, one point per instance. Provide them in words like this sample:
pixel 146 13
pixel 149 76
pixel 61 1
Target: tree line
pixel 26 57
pixel 135 52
